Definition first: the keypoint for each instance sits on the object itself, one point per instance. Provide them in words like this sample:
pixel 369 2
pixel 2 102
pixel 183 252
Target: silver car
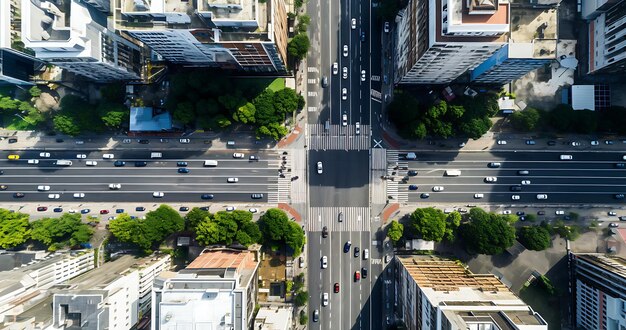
pixel 345 50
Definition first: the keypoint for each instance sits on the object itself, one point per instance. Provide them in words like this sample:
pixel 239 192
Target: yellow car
pixel 14 157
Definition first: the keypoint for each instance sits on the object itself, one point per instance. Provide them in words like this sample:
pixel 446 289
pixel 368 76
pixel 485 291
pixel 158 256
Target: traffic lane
pixel 350 285
pixel 568 197
pixel 166 154
pixel 358 286
pixel 556 174
pixel 583 180
pixel 365 293
pixel 136 196
pixel 314 274
pixel 506 156
pixel 518 165
pixel 128 178
pixel 538 189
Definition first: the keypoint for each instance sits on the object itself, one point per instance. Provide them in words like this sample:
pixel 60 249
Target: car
pixel 4 187
pixel 353 23
pixel 115 186
pixel 575 144
pixel 364 272
pixel 54 196
pixel 525 182
pixel 344 73
pixel 344 120
pixel 33 161
pixel 412 173
pixel 559 212
pixel 18 195
pixel 183 209
pixel 362 36
pixel 462 144
pixel 316 315
pixel 346 246
pixel 158 194
pixel 491 179
pixel 501 142
pixel 13 157
pixel 119 163
pixel 57 210
pixel 541 212
pixel 256 196
pixel 324 262
pixel 104 211
pixel 386 27
pixel 437 188
pixel 143 141
pixel 530 142
pixel 619 196
pixel 238 155
pixel 108 156
pixel 79 195
pixel 413 187
pixel 324 232
pixel 523 172
pixel 515 197
pixel 1 172
pixel 551 143
pixel 254 158
pixel 520 213
pixel 140 209
pixel 613 225
pixel 357 276
pixel 119 211
pixel 336 288
pixel 622 218
pixel 184 141
pixel 85 211
pixel 127 141
pixel 72 211
pixel 595 143
pixel 340 216
pixel 232 180
pixel 253 210
pixel 13 140
pixel 363 75
pixel 183 170
pixel 141 164
pixel 522 218
pixel 230 208
pixel 344 95
pixel 357 251
pixel 357 128
pixel 43 188
pixel 542 196
pixel 479 196
pixel 42 208
pixel 91 163
pixel 566 157
pixel 207 196
pixel 506 212
pixel 608 142
pixel 612 213
pixel 81 156
pixel 345 50
pixel 320 168
pixel 44 154
pixel 620 165
pixel 366 254
pixel 335 68
pixel 424 195
pixel 494 165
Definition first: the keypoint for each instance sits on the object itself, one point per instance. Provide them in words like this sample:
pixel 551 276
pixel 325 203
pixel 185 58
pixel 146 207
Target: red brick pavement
pixel 289 139
pixel 294 214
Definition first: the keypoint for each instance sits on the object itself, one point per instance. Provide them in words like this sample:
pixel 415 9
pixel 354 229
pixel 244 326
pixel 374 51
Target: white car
pixel 324 262
pixel 358 128
pixel 81 156
pixel 33 161
pixel 238 155
pixel 320 168
pixel 232 180
pixel 386 27
pixel 91 163
pixel 54 196
pixel 108 156
pixel 43 188
pixel 515 197
pixel 335 68
pixel 253 210
pixel 158 194
pixel 79 195
pixel 345 50
pixel 115 186
pixel 71 211
pixel 362 75
pixel 344 120
pixel 44 154
pixel 612 213
pixel 506 212
pixel 437 188
pixel 230 208
pixel 501 142
pixel 344 72
pixel 576 144
pixel 184 141
pixel 353 23
pixel 559 212
pixel 491 179
pixel 542 196
pixel 325 299
pixel 525 182
pixel 366 254
pixel 344 94
pixel 595 143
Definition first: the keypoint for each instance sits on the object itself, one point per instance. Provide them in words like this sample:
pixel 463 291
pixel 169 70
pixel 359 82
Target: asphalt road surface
pixel 344 181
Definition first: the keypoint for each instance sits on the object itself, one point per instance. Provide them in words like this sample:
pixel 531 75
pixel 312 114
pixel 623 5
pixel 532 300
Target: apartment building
pixel 218 290
pixel 74 35
pixel 600 291
pixel 245 35
pixel 606 21
pixel 436 293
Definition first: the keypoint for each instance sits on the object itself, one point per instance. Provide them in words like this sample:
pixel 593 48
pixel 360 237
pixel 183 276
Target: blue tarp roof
pixel 143 120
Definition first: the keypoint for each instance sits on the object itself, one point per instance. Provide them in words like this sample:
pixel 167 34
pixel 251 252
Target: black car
pixel 413 187
pixel 141 164
pixel 325 232
pixel 60 140
pixel 541 212
pixel 256 196
pixel 144 141
pixel 620 165
pixel 12 140
pixel 140 209
pixel 494 165
pixel 356 251
pixel 364 272
pixel 119 211
pixel 58 210
pixel 516 188
pixel 412 173
pixel 551 143
pixel 1 172
pixel 425 195
pixel 346 247
pixel 207 196
pixel 619 196
pixel 18 195
pixel 119 163
pixel 181 164
pixel 204 208
pixel 183 209
pixel 520 213
pixel 183 170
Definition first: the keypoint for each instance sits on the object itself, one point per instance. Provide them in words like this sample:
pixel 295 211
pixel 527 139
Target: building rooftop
pixel 492 28
pixel 610 263
pixel 224 258
pixel 273 318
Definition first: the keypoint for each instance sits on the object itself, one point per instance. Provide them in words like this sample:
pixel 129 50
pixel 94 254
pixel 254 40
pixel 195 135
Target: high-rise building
pixel 218 290
pixel 435 293
pixel 600 291
pixel 607 35
pixel 74 35
pixel 245 35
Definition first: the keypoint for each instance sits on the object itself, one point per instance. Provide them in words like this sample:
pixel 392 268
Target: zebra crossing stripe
pixel 354 219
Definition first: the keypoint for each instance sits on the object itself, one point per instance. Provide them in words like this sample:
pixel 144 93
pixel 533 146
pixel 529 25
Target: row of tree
pixel 566 120
pixel 24 108
pixel 51 233
pixel 77 116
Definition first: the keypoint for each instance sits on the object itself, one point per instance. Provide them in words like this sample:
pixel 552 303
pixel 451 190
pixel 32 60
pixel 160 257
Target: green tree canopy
pixel 275 131
pixel 245 114
pixel 227 227
pixel 525 120
pixel 429 223
pixel 453 221
pixel 395 231
pixel 164 221
pixel 184 113
pixel 298 47
pixel 131 231
pixel 194 217
pixel 14 228
pixel 534 237
pixel 66 125
pixel 65 230
pixel 487 233
pixel 277 229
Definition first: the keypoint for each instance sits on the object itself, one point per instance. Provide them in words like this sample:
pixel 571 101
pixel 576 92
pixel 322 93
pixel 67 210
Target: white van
pixel 366 254
pixel 156 155
pixel 411 156
pixel 62 162
pixel 210 163
pixel 566 157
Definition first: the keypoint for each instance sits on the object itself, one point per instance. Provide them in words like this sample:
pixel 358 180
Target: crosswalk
pixel 394 165
pixel 338 137
pixel 378 170
pixel 280 192
pixel 354 219
pixel 299 186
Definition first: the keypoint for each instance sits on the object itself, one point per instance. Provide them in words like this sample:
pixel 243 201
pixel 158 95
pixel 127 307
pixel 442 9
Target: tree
pixel 298 47
pixel 273 224
pixel 286 101
pixel 476 127
pixel 294 238
pixel 184 113
pixel 534 237
pixel 429 223
pixel 65 125
pixel 34 91
pixel 222 121
pixel 130 230
pixel 65 230
pixel 194 217
pixel 114 119
pixel 453 221
pixel 245 114
pixel 225 227
pixel 395 231
pixel 301 298
pixel 275 131
pixel 164 221
pixel 8 104
pixel 525 120
pixel 14 228
pixel 487 233
pixel 265 111
pixel 232 101
pixel 303 23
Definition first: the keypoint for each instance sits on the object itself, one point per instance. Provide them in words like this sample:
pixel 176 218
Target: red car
pixel 104 211
pixel 336 287
pixel 42 208
pixel 357 276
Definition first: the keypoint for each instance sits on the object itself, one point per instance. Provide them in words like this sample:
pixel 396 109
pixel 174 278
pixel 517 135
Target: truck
pixel 452 173
pixel 63 162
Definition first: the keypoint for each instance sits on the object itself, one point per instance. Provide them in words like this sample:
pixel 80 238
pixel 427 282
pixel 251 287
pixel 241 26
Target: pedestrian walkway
pixel 299 186
pixel 281 191
pixel 396 169
pixel 378 170
pixel 354 219
pixel 338 137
